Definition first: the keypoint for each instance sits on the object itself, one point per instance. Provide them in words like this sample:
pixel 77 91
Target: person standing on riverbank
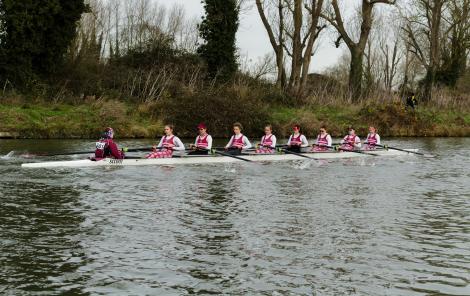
pixel 106 147
pixel 351 141
pixel 168 143
pixel 203 142
pixel 297 140
pixel 411 101
pixel 268 141
pixel 372 140
pixel 238 141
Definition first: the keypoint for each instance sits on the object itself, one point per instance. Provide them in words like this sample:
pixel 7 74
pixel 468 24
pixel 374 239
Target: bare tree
pixel 356 48
pixel 297 23
pixel 390 43
pixel 423 29
pixel 277 41
pixel 455 42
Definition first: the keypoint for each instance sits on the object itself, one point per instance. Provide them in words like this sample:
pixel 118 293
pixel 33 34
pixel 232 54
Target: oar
pixel 404 150
pixel 91 152
pixel 295 153
pixel 288 152
pixel 8 155
pixel 232 156
pixel 355 151
pixel 225 154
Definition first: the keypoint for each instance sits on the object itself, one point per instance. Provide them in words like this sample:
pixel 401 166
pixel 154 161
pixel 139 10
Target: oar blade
pixel 8 155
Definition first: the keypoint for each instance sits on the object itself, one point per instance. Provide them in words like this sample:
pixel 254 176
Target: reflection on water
pixel 371 226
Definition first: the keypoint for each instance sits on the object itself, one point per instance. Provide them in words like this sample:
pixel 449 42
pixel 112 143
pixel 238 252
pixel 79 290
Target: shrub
pixel 218 110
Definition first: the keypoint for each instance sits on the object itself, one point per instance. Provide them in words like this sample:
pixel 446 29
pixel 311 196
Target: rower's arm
pixel 378 139
pixel 246 143
pixel 274 140
pixel 329 140
pixel 160 144
pixel 229 143
pixel 304 141
pixel 357 143
pixel 288 141
pixel 179 146
pixel 209 142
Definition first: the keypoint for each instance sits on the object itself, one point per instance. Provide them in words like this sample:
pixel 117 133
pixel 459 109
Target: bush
pixel 218 110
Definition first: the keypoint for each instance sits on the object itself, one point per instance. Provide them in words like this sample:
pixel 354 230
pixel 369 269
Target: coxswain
pixel 168 143
pixel 268 141
pixel 297 140
pixel 203 143
pixel 238 141
pixel 372 140
pixel 323 141
pixel 106 148
pixel 351 141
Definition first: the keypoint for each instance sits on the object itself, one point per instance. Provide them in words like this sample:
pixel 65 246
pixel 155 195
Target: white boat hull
pixel 211 159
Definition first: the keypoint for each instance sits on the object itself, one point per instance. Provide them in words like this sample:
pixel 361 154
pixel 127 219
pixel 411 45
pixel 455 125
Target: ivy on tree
pixel 219 28
pixel 35 35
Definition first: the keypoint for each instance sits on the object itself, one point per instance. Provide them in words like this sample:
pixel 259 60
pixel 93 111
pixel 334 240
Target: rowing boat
pixel 203 159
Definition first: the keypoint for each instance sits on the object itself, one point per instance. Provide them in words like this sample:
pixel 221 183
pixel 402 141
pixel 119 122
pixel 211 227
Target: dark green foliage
pixel 219 28
pixel 219 110
pixel 453 67
pixel 35 36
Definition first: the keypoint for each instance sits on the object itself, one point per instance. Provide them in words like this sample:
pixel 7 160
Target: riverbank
pixel 60 121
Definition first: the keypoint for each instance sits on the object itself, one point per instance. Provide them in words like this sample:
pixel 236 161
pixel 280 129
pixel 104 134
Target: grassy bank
pixel 41 120
pixel 392 120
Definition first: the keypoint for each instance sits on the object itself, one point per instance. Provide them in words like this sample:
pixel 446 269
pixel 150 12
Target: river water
pixel 369 226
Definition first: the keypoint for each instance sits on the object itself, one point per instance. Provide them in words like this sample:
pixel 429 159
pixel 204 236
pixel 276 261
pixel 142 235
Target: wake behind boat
pixel 208 159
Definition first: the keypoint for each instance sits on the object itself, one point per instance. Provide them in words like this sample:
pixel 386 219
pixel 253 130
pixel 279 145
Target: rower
pixel 238 141
pixel 203 142
pixel 168 143
pixel 351 141
pixel 268 141
pixel 372 140
pixel 297 140
pixel 106 148
pixel 323 141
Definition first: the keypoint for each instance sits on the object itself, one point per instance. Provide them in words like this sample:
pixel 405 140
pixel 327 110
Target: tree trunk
pixel 429 84
pixel 317 7
pixel 356 49
pixel 276 43
pixel 296 47
pixel 280 82
pixel 355 75
pixel 436 11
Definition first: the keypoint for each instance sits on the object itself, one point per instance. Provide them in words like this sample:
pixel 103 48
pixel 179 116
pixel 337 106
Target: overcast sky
pixel 252 39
